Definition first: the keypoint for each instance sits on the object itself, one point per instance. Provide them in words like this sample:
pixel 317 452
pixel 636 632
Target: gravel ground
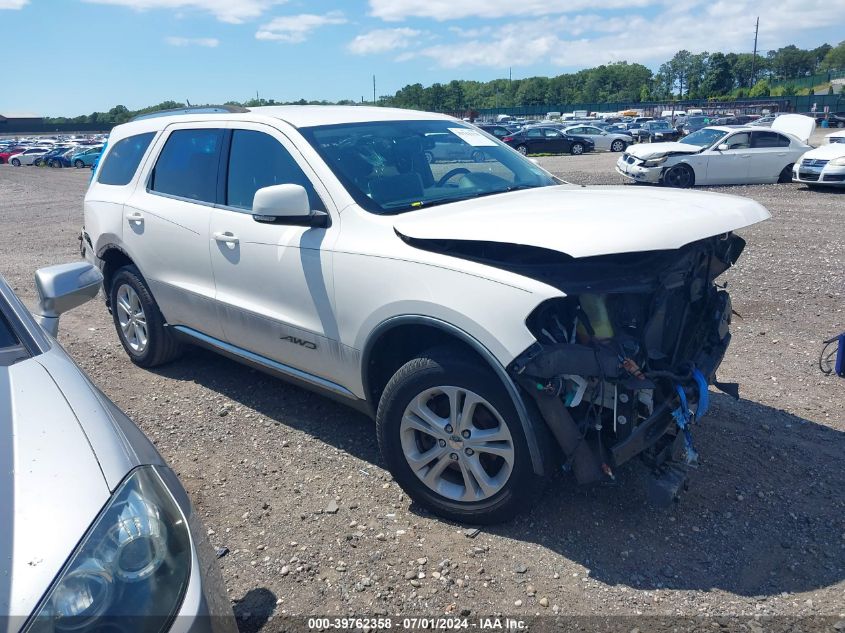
pixel 292 485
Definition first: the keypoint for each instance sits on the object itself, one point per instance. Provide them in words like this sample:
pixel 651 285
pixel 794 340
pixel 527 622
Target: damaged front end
pixel 622 362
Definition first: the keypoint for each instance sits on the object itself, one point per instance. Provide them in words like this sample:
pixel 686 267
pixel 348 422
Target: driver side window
pixel 738 141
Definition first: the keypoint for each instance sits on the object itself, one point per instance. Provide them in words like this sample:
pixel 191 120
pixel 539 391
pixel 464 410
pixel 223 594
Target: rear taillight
pixel 505 139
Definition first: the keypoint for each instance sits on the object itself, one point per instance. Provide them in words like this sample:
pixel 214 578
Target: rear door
pixel 769 155
pixel 274 282
pixel 166 224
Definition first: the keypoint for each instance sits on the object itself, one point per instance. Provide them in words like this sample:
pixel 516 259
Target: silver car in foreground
pixel 96 532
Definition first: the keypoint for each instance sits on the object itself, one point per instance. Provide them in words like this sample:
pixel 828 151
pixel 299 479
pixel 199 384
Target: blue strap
pixel 703 394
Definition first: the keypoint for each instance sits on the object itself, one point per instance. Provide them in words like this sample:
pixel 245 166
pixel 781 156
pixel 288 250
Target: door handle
pixel 226 238
pixel 135 217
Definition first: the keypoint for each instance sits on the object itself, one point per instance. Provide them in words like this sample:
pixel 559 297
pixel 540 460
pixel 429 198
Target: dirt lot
pixel 292 484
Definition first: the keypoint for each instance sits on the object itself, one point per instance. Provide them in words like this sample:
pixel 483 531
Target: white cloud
pixel 296 28
pixel 206 42
pixel 13 4
pixel 442 10
pixel 588 40
pixel 383 40
pixel 231 11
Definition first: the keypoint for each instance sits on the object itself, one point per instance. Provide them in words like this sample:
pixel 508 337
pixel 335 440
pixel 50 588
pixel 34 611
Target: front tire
pixel 478 156
pixel 139 323
pixel 429 157
pixel 577 149
pixel 16 162
pixel 78 164
pixel 452 439
pixel 679 177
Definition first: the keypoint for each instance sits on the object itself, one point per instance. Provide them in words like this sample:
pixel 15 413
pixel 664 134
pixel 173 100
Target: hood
pixel 51 486
pixel 835 137
pixel 798 125
pixel 650 150
pixel 583 222
pixel 827 152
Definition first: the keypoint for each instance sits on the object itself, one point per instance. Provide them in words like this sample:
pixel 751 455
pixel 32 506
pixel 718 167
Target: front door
pixel 730 165
pixel 274 284
pixel 165 225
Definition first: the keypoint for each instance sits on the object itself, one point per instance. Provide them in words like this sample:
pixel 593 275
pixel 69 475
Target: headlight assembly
pixel 131 569
pixel 838 162
pixel 655 162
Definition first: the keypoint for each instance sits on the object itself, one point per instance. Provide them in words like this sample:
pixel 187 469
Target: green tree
pixel 834 59
pixel 760 89
pixel 718 80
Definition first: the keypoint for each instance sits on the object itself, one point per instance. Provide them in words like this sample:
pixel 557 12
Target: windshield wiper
pixel 424 204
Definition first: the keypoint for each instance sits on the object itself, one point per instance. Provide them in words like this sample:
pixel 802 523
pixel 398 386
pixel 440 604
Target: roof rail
pixel 191 110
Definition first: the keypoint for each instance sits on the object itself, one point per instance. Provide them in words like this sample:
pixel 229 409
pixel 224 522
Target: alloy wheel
pixel 457 444
pixel 133 321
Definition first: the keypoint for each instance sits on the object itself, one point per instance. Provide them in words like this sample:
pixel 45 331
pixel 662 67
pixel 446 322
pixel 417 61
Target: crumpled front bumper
pixel 636 172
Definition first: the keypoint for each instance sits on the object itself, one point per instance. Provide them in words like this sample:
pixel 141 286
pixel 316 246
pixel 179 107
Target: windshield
pixel 704 137
pixel 660 125
pixel 396 166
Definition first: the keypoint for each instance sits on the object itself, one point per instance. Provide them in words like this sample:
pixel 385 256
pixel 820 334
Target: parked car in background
pixel 86 157
pixel 656 131
pixel 833 120
pixel 27 156
pixel 62 159
pixel 99 534
pixel 823 166
pixel 499 131
pixel 44 159
pixel 602 139
pixel 547 140
pixel 765 120
pixel 722 155
pixel 695 123
pixel 448 148
pixel 10 151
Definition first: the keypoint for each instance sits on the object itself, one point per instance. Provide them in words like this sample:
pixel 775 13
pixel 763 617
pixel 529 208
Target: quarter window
pixel 123 159
pixel 188 165
pixel 258 160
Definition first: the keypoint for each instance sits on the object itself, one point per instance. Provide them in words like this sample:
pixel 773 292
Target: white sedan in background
pixel 824 165
pixel 605 141
pixel 722 155
pixel 28 156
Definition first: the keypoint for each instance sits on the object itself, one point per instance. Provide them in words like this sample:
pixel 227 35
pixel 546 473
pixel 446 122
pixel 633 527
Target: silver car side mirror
pixel 62 288
pixel 723 147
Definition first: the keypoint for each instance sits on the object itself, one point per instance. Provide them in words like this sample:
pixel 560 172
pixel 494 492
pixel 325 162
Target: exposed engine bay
pixel 622 363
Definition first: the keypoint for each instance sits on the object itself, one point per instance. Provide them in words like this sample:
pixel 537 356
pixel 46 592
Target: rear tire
pixel 617 146
pixel 478 156
pixel 138 321
pixel 78 164
pixel 786 174
pixel 449 470
pixel 429 157
pixel 577 149
pixel 522 149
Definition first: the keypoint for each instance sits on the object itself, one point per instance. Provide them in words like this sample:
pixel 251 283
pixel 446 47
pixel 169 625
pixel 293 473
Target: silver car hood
pixel 652 150
pixel 584 222
pixel 51 486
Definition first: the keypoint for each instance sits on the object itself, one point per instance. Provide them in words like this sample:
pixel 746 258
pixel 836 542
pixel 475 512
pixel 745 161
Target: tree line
pixel 686 76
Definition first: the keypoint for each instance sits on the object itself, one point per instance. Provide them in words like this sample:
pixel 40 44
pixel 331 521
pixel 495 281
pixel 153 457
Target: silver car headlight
pixel 131 569
pixel 838 162
pixel 655 162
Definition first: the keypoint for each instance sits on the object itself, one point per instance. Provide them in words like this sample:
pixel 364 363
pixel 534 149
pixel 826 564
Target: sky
pixel 72 57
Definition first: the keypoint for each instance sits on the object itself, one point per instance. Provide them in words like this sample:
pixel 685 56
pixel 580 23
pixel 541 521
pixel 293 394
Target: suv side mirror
pixel 62 288
pixel 286 204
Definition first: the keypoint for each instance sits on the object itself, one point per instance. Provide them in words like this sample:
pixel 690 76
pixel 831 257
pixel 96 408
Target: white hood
pixel 798 125
pixel 583 222
pixel 650 150
pixel 827 152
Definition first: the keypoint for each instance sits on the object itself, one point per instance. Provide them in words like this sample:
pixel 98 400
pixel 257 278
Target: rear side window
pixel 258 160
pixel 768 139
pixel 187 166
pixel 123 159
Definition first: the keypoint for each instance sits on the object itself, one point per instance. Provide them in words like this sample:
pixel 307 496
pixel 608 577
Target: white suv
pixel 493 320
